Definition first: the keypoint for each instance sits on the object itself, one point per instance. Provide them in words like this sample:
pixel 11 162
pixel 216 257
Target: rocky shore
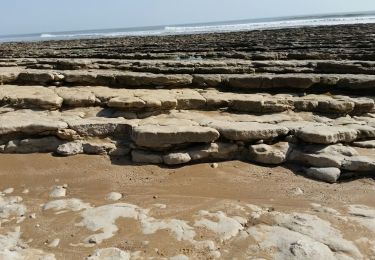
pixel 296 96
pixel 190 147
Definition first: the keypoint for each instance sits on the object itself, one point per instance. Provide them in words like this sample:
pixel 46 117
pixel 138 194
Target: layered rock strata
pixel 268 104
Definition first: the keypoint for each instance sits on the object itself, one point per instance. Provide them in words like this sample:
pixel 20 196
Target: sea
pixel 228 26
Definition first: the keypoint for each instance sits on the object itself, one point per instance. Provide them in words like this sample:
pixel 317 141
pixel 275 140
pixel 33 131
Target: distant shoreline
pixel 202 28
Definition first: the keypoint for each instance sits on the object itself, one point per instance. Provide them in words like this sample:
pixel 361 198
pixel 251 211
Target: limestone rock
pixel 270 81
pixel 36 76
pixel 101 126
pixel 330 175
pixel 29 122
pixel 176 158
pixel 30 97
pixel 207 80
pixel 322 156
pixel 149 79
pixel 365 144
pixel 41 145
pixel 327 134
pixel 270 154
pixel 109 253
pixel 80 77
pixel 214 150
pixel 157 136
pixel 71 148
pixel 67 134
pixel 76 97
pixel 127 102
pixel 359 164
pixel 248 131
pixel 98 147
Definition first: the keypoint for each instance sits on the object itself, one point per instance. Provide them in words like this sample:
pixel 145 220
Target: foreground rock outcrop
pixel 173 104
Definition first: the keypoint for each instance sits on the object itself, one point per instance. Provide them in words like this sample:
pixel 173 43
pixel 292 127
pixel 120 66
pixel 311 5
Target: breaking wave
pixel 249 25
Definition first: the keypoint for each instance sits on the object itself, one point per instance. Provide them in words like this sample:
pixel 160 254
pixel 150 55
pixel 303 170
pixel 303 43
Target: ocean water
pixel 230 26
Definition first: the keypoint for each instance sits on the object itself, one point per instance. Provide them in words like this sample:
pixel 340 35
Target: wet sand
pixel 168 193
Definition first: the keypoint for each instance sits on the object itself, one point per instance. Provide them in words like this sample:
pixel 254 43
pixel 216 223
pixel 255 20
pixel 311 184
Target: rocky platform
pixel 301 97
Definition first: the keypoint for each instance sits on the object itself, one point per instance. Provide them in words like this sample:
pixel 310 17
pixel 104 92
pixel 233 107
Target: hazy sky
pixel 37 16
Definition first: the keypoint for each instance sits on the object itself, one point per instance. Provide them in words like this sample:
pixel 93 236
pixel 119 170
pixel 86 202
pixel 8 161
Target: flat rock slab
pixel 248 131
pixel 270 81
pixel 156 136
pixel 270 154
pixel 29 122
pixel 327 134
pixel 30 97
pixel 330 175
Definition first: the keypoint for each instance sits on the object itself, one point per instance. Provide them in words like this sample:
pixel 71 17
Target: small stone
pixel 71 148
pixel 8 191
pixel 92 241
pixel 176 158
pixel 57 192
pixel 32 216
pixel 214 165
pixel 297 191
pixel 37 225
pixel 54 243
pixel 329 174
pixel 113 196
pixel 25 191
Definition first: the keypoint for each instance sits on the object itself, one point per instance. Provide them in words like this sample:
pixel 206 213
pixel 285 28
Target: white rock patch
pixel 12 247
pixel 111 253
pixel 318 230
pixel 10 207
pixel 8 190
pixel 58 192
pixel 287 244
pixel 103 219
pixel 179 257
pixel 226 227
pixel 65 205
pixel 363 215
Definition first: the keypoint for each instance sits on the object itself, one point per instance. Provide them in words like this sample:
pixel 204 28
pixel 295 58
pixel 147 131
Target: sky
pixel 41 16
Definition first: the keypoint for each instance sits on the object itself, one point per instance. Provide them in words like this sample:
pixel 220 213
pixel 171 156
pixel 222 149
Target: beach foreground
pixel 251 145
pixel 234 211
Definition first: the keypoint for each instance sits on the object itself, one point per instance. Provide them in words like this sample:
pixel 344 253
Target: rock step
pixel 222 66
pixel 249 82
pixel 180 127
pixel 137 100
pixel 192 136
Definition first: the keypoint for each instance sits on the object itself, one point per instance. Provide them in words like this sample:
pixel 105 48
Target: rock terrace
pixel 274 97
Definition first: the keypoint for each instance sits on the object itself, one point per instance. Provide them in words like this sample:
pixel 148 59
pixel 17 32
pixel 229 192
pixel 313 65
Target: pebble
pixel 8 191
pixel 25 191
pixel 214 165
pixel 297 191
pixel 113 196
pixel 33 216
pixel 54 243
